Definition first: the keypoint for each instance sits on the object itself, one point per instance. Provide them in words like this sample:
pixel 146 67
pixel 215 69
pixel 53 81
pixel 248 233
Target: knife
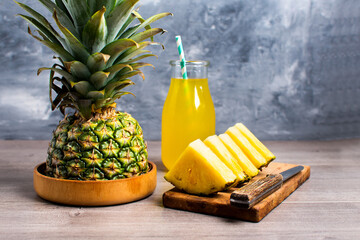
pixel 254 192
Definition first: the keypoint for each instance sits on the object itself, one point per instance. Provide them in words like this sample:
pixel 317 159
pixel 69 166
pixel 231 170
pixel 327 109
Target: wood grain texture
pixel 219 204
pixel 250 194
pixel 325 207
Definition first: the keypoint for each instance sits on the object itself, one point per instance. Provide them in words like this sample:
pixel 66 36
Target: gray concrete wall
pixel 287 69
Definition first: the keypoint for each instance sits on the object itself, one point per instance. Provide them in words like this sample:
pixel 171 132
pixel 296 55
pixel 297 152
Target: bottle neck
pixel 194 69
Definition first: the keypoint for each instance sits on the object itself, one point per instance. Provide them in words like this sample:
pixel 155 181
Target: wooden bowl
pixel 94 193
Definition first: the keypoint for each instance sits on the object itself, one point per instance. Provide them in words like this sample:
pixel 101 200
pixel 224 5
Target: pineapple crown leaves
pixel 98 44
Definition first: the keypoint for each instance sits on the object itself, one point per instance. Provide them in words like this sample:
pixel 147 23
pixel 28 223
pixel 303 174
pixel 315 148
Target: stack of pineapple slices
pixel 219 162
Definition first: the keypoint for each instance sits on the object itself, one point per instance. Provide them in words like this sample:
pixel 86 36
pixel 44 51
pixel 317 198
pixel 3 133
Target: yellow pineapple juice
pixel 188 114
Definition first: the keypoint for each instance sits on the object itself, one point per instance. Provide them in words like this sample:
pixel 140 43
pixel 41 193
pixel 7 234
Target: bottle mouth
pixel 190 63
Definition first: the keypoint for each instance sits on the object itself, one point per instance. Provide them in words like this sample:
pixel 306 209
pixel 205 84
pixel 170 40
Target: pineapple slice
pixel 242 159
pixel 259 146
pixel 255 157
pixel 215 144
pixel 199 171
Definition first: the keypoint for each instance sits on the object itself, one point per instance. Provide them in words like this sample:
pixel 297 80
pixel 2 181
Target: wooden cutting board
pixel 219 204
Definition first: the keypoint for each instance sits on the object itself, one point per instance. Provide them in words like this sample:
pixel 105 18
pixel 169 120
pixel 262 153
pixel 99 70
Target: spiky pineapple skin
pixel 108 146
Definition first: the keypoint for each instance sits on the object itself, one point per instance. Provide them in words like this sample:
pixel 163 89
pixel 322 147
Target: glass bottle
pixel 188 112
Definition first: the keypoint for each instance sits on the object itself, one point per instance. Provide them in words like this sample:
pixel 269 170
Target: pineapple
pixel 242 159
pixel 215 144
pixel 98 51
pixel 199 171
pixel 259 146
pixel 256 158
pixel 203 168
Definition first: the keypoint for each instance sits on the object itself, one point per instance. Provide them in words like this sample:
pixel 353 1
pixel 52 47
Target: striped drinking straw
pixel 182 57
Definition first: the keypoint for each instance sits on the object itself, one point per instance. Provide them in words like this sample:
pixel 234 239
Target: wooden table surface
pixel 327 206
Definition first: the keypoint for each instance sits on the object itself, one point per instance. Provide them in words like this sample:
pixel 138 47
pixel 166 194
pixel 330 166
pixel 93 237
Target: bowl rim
pixel 38 173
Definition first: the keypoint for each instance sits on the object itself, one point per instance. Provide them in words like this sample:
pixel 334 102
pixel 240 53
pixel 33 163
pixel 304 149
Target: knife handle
pixel 254 192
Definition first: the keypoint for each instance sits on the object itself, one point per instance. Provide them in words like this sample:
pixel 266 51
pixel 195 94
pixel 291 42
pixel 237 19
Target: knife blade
pixel 254 192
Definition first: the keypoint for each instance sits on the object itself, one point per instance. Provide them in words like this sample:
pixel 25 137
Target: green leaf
pixel 116 68
pixel 127 31
pixel 84 107
pixel 121 76
pixel 118 17
pixel 96 5
pixel 123 85
pixel 147 22
pixel 118 94
pixel 132 52
pixel 147 34
pixel 95 95
pixel 139 58
pixel 61 5
pixel 130 73
pixel 130 19
pixel 78 69
pixel 63 17
pixel 100 103
pixel 138 16
pixel 122 72
pixel 69 78
pixel 141 20
pixel 118 2
pixel 117 85
pixel 44 37
pixel 41 23
pixel 99 79
pixel 95 31
pixel 51 87
pixel 76 47
pixel 42 29
pixel 141 64
pixel 126 57
pixel 72 96
pixel 65 55
pixel 79 12
pixel 97 62
pixel 139 72
pixel 82 87
pixel 117 47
